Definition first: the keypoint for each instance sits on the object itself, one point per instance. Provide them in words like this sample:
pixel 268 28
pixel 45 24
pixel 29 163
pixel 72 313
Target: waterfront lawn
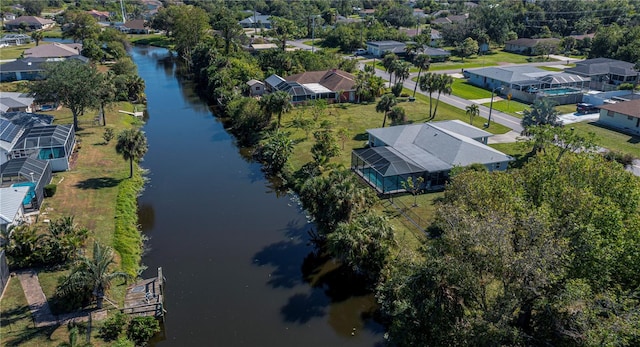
pixel 465 90
pixel 157 40
pixel 14 52
pixel 512 107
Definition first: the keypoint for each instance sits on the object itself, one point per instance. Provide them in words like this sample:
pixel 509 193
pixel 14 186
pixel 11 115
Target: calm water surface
pixel 239 269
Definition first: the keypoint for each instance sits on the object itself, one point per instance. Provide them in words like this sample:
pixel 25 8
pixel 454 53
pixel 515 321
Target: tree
pixel 283 29
pixel 189 27
pixel 81 26
pixel 399 16
pixel 397 115
pixel 547 137
pixel 229 29
pixel 636 67
pixel 33 7
pixel 106 94
pixel 275 151
pixel 70 82
pixel 384 106
pixel 390 61
pixel 414 187
pixel 542 112
pixel 472 111
pixel 132 145
pixel 94 273
pixel 467 48
pixel 37 36
pixel 423 62
pixel 142 329
pixel 278 103
pixel 545 48
pixel 427 83
pixel 443 84
pixel 325 147
pixel 364 244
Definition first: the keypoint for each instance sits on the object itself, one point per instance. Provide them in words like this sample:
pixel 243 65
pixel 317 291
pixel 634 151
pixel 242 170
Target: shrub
pixel 123 342
pixel 141 329
pixel 108 135
pixel 623 158
pixel 50 190
pixel 113 327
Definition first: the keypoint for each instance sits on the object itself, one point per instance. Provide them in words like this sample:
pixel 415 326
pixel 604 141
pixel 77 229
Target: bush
pixel 123 342
pixel 50 190
pixel 141 329
pixel 623 158
pixel 108 135
pixel 113 327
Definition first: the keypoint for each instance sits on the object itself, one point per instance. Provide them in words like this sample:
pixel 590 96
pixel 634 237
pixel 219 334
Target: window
pixel 498 165
pixel 610 113
pixel 629 118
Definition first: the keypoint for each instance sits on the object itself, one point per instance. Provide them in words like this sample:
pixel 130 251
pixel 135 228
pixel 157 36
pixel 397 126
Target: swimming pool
pixel 560 91
pixel 30 195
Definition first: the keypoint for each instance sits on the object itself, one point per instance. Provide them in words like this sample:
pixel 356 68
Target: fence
pixel 4 272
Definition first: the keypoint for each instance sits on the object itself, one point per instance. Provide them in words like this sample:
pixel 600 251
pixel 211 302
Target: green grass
pixel 17 86
pixel 14 52
pixel 53 33
pixel 564 109
pixel 157 40
pixel 509 107
pixel 465 90
pixel 610 139
pixel 127 239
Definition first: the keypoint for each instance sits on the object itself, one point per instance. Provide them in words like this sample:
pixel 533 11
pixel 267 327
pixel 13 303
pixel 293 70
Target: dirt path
pixel 39 307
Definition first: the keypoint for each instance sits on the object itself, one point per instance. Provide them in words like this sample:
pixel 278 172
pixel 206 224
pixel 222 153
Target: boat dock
pixel 146 297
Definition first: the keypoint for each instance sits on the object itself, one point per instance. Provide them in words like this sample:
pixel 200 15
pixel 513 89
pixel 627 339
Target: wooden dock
pixel 146 297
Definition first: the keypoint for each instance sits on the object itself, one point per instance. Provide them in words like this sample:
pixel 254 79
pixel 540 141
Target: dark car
pixel 586 108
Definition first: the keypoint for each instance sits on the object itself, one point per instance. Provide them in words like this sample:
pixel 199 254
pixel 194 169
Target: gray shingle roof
pixel 510 74
pixel 10 202
pixel 603 66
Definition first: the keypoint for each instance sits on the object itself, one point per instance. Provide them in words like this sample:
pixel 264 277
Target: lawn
pixel 564 109
pixel 17 86
pixel 509 107
pixel 465 90
pixel 157 40
pixel 610 139
pixel 14 52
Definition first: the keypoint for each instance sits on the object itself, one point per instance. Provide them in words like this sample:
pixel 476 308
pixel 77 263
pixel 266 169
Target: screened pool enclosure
pixel 53 143
pixel 27 172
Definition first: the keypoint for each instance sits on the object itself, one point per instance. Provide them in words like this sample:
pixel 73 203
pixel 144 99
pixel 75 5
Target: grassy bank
pixel 127 240
pixel 157 40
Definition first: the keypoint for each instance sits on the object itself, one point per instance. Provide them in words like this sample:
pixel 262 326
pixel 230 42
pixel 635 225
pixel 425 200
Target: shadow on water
pixel 146 217
pixel 98 183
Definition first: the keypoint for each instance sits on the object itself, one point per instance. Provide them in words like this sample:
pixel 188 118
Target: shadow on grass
pixel 633 139
pixel 29 334
pixel 98 183
pixel 361 137
pixel 11 316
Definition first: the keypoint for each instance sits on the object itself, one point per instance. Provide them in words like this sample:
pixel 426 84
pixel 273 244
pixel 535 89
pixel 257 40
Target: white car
pixel 360 51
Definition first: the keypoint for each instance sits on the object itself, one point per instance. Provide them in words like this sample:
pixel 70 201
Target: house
pixel 52 143
pixel 605 74
pixel 54 50
pixel 100 16
pixel 436 54
pixel 28 22
pixel 16 102
pixel 256 47
pixel 12 127
pixel 333 85
pixel 379 48
pixel 256 88
pixel 14 40
pixel 27 172
pixel 624 116
pixel 11 206
pixel 136 26
pixel 528 83
pixel 528 46
pixel 427 150
pixel 450 19
pixel 29 69
pixel 7 16
pixel 256 21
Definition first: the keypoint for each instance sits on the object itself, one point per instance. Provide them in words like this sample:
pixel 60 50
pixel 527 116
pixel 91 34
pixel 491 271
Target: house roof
pixel 27 64
pixel 136 24
pixel 254 82
pixel 261 46
pixel 99 13
pixel 511 74
pixel 55 49
pixel 627 108
pixel 274 80
pixel 334 80
pixel 31 20
pixel 582 37
pixel 436 52
pixel 462 128
pixel 10 202
pixel 24 167
pixel 603 66
pixel 385 43
pixel 527 42
pixel 435 147
pixel 259 18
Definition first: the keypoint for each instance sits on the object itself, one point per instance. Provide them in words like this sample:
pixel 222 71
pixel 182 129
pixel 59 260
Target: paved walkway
pixel 39 306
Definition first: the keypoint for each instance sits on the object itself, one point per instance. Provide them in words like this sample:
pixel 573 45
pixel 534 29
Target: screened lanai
pixel 27 172
pixel 53 143
pixel 384 168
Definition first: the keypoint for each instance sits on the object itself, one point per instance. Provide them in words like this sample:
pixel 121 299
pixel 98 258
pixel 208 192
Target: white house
pixel 622 115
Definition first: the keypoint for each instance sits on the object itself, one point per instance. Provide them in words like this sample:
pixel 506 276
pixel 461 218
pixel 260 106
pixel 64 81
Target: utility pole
pixel 313 33
pixel 124 17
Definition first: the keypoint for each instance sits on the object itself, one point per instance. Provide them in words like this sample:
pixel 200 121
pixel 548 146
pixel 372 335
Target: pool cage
pixel 384 169
pixel 27 172
pixel 53 143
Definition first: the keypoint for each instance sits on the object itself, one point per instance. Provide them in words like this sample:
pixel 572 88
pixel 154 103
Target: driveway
pixel 301 45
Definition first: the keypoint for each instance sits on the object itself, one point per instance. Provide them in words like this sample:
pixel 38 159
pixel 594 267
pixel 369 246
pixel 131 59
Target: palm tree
pixel 385 104
pixel 472 111
pixel 542 112
pixel 389 61
pixel 443 85
pixel 402 71
pixel 397 115
pixel 93 273
pixel 637 68
pixel 132 144
pixel 361 85
pixel 106 94
pixel 423 62
pixel 427 83
pixel 278 102
pixel 37 36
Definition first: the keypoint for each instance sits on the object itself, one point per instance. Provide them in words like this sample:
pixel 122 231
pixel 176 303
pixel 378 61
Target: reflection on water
pixel 235 250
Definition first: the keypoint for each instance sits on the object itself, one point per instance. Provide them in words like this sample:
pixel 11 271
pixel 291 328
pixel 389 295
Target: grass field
pixel 88 192
pixel 14 52
pixel 610 139
pixel 157 40
pixel 468 91
pixel 509 107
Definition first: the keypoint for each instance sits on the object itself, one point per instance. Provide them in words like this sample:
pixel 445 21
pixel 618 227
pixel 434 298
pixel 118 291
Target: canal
pixel 240 270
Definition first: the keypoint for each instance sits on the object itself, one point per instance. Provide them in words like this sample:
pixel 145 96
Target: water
pixel 561 91
pixel 239 269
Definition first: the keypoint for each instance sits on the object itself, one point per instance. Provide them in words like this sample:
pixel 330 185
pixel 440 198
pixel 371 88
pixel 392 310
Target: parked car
pixel 586 108
pixel 360 51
